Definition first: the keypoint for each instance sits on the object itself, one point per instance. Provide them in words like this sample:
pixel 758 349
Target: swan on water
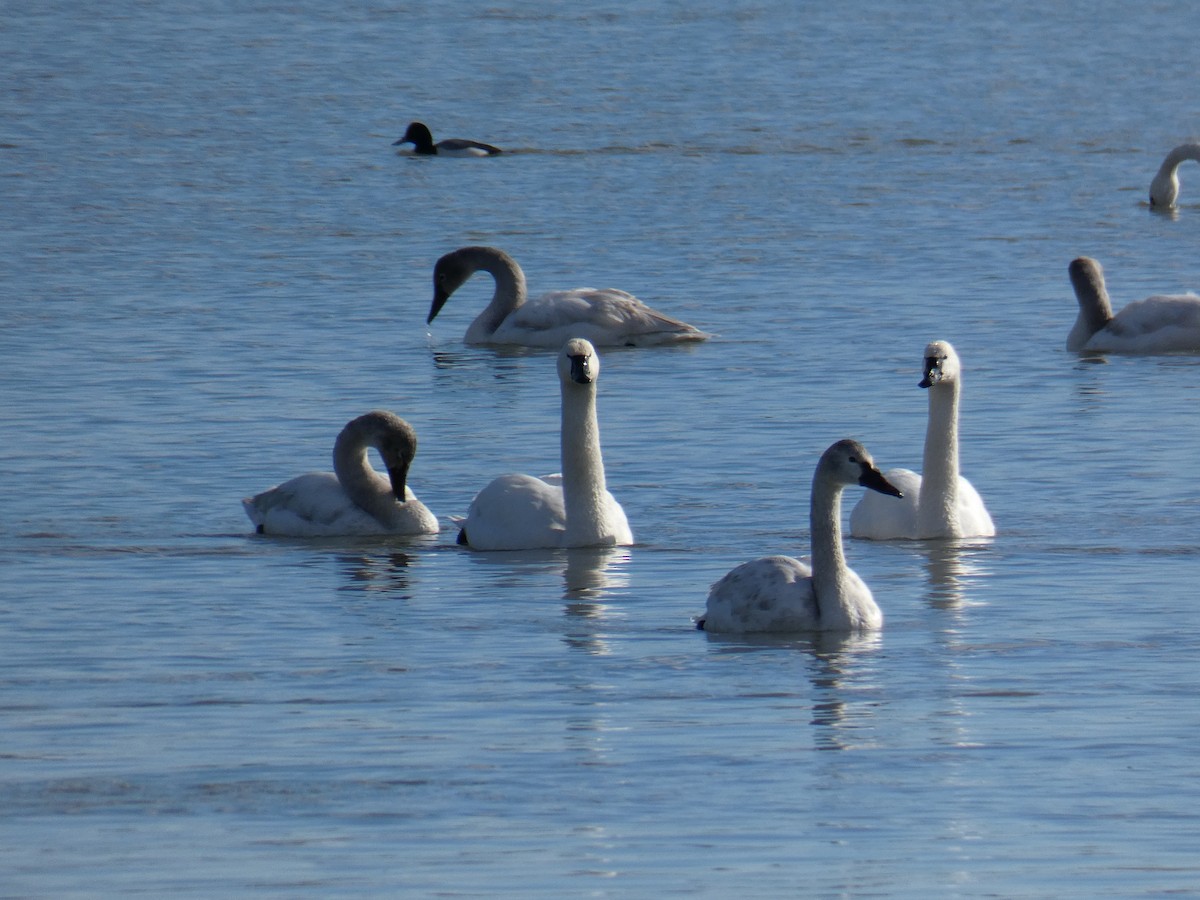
pixel 420 137
pixel 781 594
pixel 520 512
pixel 354 499
pixel 938 503
pixel 1164 189
pixel 1164 323
pixel 606 317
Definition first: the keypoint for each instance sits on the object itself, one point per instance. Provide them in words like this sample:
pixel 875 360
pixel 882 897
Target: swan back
pixel 1164 188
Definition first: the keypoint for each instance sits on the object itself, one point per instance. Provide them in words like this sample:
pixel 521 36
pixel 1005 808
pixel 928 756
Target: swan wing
pixel 973 515
pixel 877 517
pixel 1164 323
pixel 606 317
pixel 516 512
pixel 312 505
pixel 774 593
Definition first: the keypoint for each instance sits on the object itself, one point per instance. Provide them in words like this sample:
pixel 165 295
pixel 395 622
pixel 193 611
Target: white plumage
pixel 606 317
pixel 940 502
pixel 575 509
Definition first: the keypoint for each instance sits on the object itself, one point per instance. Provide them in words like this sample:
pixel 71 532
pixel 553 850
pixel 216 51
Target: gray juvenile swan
pixel 938 503
pixel 520 512
pixel 420 137
pixel 1164 323
pixel 781 594
pixel 1164 189
pixel 354 499
pixel 606 317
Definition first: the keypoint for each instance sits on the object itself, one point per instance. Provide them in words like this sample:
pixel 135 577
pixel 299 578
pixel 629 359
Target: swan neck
pixel 1095 307
pixel 937 506
pixel 584 487
pixel 368 490
pixel 509 293
pixel 829 571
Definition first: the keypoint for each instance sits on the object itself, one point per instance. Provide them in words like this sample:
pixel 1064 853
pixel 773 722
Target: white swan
pixel 1164 189
pixel 939 503
pixel 520 512
pixel 1164 323
pixel 606 317
pixel 420 137
pixel 354 499
pixel 778 593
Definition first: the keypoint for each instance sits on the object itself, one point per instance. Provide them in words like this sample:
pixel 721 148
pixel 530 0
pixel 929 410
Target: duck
pixel 572 509
pixel 1164 188
pixel 606 318
pixel 419 135
pixel 782 594
pixel 1163 323
pixel 939 503
pixel 354 499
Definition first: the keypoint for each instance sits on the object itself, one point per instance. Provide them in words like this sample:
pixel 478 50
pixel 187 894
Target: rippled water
pixel 215 259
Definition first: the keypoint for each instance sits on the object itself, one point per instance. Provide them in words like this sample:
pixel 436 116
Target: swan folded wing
pixel 603 316
pixel 1164 323
pixel 311 505
pixel 516 512
pixel 774 593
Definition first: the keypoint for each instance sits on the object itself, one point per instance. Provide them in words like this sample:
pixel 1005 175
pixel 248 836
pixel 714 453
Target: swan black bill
pixel 872 478
pixel 439 300
pixel 933 372
pixel 581 369
pixel 398 475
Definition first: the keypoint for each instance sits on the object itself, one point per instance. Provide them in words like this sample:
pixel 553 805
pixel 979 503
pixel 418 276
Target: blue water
pixel 214 259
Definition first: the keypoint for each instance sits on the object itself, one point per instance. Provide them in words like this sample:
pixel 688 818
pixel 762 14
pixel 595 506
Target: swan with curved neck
pixel 938 503
pixel 1163 323
pixel 782 594
pixel 421 138
pixel 520 512
pixel 354 499
pixel 1164 189
pixel 607 317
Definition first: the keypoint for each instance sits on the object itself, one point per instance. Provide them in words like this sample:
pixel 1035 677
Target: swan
pixel 520 512
pixel 354 499
pixel 1164 189
pixel 607 317
pixel 1164 323
pixel 778 593
pixel 420 137
pixel 939 503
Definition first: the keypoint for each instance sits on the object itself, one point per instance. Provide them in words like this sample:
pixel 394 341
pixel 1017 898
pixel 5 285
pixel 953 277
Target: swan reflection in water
pixel 951 568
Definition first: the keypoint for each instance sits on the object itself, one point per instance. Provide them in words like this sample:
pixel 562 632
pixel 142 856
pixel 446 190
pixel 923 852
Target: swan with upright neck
pixel 354 499
pixel 782 594
pixel 1164 188
pixel 1163 323
pixel 938 503
pixel 419 135
pixel 607 317
pixel 521 512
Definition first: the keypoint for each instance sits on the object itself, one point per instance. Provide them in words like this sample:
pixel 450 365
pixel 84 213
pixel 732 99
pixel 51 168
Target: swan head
pixel 396 442
pixel 941 365
pixel 848 463
pixel 449 274
pixel 418 135
pixel 1095 309
pixel 578 362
